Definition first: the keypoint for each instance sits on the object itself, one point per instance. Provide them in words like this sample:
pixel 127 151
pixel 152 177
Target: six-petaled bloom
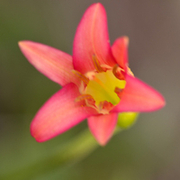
pixel 96 81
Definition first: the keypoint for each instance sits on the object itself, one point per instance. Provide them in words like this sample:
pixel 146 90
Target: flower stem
pixel 77 149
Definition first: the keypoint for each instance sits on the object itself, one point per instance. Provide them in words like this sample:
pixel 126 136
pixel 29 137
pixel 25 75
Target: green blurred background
pixel 150 150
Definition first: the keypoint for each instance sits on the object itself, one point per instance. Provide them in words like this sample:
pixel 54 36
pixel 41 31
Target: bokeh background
pixel 151 148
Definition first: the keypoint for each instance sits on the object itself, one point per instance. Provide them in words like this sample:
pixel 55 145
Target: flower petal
pixel 120 51
pixel 139 97
pixel 102 126
pixel 53 63
pixel 92 40
pixel 59 114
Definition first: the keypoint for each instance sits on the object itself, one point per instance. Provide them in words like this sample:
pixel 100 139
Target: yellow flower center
pixel 102 88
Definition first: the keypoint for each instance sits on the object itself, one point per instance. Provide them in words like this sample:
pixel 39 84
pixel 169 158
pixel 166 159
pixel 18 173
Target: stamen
pixel 117 72
pixel 119 92
pixel 101 104
pixel 108 106
pixel 96 64
pixel 104 107
pixel 83 97
pixel 81 76
pixel 130 72
pixel 115 69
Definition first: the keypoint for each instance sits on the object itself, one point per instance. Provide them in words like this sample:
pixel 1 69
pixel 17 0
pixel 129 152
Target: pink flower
pixel 97 82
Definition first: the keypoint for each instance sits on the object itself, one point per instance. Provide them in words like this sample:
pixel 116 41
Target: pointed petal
pixel 102 127
pixel 53 63
pixel 139 97
pixel 59 114
pixel 120 51
pixel 92 40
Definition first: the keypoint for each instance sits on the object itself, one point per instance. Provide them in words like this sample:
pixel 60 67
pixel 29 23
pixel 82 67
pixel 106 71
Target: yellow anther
pixel 130 72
